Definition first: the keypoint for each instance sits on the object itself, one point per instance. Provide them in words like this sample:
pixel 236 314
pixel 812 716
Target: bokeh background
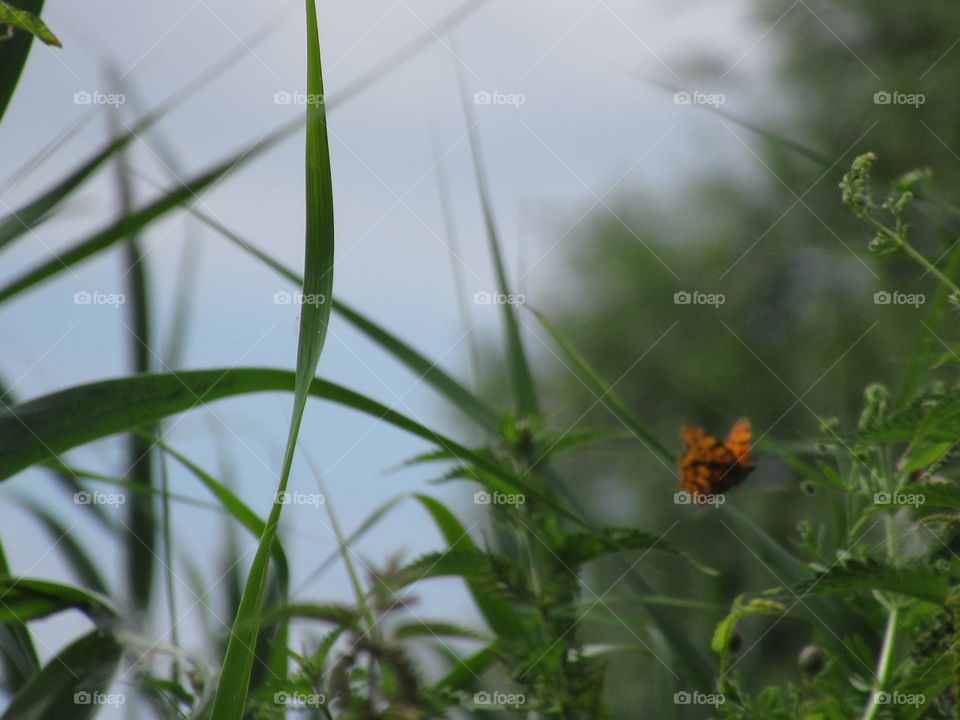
pixel 611 194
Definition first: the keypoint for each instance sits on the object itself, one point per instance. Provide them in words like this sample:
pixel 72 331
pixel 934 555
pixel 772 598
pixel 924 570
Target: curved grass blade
pixel 68 545
pixel 17 652
pixel 521 378
pixel 26 217
pixel 466 670
pixel 141 532
pixel 499 614
pixel 604 392
pixel 67 684
pixel 231 695
pixel 423 367
pixel 28 599
pixel 117 231
pixel 52 424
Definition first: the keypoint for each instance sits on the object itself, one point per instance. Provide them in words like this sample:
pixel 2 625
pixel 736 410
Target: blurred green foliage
pixel 799 334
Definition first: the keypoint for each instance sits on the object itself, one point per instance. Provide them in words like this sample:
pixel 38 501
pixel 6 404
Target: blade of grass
pixel 52 424
pixel 456 264
pixel 28 216
pixel 604 392
pixel 133 222
pixel 141 522
pixel 19 656
pixel 521 379
pixel 68 544
pixel 498 612
pixel 427 370
pixel 230 699
pixel 85 667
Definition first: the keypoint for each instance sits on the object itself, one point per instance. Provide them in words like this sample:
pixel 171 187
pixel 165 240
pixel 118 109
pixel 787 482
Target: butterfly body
pixel 711 467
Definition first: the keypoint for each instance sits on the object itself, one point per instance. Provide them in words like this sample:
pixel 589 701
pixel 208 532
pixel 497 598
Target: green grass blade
pixel 28 599
pixel 52 424
pixel 605 393
pixel 521 378
pixel 136 221
pixel 368 522
pixel 35 211
pixel 86 666
pixel 17 652
pixel 427 370
pixel 230 699
pixel 141 520
pixel 499 614
pixel 13 56
pixel 466 670
pixel 69 546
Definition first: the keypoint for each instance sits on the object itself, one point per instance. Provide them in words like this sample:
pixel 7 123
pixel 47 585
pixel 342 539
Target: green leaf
pixel 336 614
pixel 605 393
pixel 77 557
pixel 19 656
pixel 466 670
pixel 859 576
pixel 28 599
pixel 499 614
pixel 435 629
pixel 230 699
pixel 32 431
pixel 469 563
pixel 68 685
pixel 9 15
pixel 426 370
pixel 133 222
pixel 521 378
pixel 580 548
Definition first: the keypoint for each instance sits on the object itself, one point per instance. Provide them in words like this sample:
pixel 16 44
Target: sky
pixel 567 128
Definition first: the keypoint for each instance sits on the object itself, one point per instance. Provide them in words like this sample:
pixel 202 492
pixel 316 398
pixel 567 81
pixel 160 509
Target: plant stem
pixel 883 664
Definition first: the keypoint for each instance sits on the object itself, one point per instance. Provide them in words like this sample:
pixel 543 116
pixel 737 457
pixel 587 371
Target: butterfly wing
pixel 738 441
pixel 711 467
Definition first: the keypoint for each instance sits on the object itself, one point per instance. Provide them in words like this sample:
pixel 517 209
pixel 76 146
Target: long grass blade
pixel 230 699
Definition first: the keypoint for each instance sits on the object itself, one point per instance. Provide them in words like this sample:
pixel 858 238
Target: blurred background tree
pixel 799 335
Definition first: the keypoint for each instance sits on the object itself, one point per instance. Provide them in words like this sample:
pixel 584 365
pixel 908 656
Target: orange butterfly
pixel 709 467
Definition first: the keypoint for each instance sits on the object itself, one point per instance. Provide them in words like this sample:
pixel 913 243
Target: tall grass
pixel 880 611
